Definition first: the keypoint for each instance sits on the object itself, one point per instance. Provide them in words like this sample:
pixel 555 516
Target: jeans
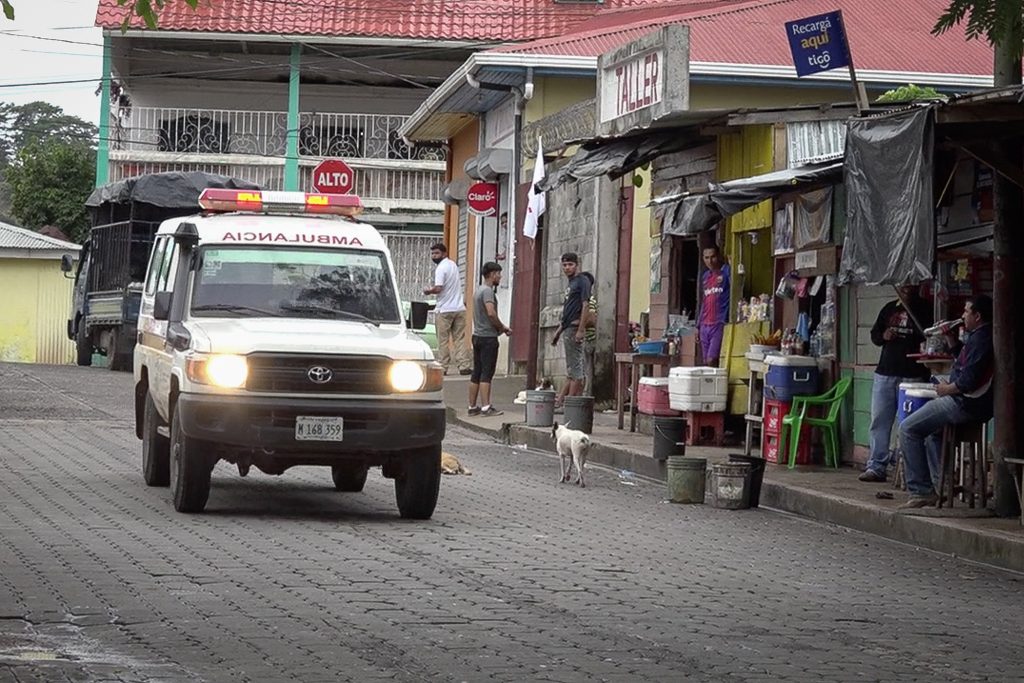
pixel 884 402
pixel 921 439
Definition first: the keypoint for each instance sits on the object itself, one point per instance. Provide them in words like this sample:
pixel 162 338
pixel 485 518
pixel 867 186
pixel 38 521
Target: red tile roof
pixel 884 35
pixel 484 20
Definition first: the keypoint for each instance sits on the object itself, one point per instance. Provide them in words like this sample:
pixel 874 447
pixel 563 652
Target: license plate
pixel 309 428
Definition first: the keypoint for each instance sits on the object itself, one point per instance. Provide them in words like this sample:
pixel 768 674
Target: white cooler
pixel 703 390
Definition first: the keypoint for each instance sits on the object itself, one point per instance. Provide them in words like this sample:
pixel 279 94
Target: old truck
pixel 112 265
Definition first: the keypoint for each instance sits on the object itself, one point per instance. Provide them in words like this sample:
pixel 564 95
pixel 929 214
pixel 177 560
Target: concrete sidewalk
pixel 834 496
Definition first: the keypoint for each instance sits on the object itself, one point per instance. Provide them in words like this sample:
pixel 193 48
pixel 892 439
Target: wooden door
pixel 526 283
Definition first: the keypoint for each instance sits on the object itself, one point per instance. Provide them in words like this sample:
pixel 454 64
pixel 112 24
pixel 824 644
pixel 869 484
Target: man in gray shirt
pixel 487 327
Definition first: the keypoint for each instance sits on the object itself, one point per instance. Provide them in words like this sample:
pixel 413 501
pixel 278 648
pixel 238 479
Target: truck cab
pixel 270 333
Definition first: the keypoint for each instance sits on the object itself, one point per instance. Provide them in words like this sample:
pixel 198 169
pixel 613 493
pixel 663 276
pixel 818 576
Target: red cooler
pixel 652 397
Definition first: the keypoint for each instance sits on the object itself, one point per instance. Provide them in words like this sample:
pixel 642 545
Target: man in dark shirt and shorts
pixel 577 294
pixel 487 327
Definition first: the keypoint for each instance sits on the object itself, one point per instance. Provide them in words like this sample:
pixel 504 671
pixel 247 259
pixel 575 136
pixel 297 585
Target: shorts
pixel 711 342
pixel 573 354
pixel 485 359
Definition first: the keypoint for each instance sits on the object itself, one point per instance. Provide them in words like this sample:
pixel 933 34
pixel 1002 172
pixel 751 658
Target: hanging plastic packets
pixel 787 287
pixel 803 327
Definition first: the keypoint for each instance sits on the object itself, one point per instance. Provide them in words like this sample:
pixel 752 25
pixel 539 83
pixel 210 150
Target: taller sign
pixel 644 81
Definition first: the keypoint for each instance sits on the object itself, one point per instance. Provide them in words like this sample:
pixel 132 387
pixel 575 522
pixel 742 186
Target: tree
pixel 146 9
pixel 1000 22
pixel 23 124
pixel 49 183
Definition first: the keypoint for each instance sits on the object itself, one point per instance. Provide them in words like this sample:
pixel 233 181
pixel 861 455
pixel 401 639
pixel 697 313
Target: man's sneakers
pixel 916 502
pixel 872 476
pixel 465 371
pixel 486 411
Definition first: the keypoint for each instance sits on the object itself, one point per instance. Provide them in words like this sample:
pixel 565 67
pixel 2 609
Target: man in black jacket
pixel 966 397
pixel 898 334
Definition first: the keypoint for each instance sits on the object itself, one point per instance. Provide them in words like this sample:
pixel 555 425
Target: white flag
pixel 535 202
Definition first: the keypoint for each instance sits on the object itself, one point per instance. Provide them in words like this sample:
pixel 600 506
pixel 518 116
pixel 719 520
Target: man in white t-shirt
pixel 449 312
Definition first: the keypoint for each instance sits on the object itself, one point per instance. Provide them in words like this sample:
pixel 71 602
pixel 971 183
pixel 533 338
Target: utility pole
pixel 1008 281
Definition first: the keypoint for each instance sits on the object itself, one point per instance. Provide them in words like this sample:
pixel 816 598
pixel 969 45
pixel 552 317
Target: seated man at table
pixel 966 397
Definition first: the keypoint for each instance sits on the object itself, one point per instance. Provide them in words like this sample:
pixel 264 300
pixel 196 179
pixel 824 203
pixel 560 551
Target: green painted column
pixel 103 146
pixel 291 161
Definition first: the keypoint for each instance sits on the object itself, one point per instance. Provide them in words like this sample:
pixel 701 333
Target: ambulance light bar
pixel 257 201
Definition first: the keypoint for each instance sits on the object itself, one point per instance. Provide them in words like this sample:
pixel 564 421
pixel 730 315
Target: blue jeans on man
pixel 921 440
pixel 884 403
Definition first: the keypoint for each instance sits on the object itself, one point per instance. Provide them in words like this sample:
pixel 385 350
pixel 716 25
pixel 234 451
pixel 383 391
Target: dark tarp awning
pixel 172 190
pixel 890 230
pixel 698 212
pixel 618 156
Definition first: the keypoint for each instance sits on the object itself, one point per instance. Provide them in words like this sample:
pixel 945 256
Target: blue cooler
pixel 914 400
pixel 902 400
pixel 790 376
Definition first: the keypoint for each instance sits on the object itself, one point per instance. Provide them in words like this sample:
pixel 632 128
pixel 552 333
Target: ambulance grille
pixel 303 373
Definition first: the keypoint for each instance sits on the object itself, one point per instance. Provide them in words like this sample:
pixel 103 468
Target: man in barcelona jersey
pixel 714 305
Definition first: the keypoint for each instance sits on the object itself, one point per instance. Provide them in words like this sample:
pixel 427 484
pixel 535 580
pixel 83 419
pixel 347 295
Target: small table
pixel 938 365
pixel 631 361
pixel 754 416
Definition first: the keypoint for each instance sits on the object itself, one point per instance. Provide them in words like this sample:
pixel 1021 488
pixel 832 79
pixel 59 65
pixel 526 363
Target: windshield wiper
pixel 236 308
pixel 326 310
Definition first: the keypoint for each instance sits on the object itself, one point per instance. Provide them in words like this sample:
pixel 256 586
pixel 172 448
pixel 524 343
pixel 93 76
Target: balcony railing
pixel 252 145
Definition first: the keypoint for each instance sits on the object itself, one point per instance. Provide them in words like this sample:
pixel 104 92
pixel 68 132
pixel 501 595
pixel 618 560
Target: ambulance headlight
pixel 227 371
pixel 406 376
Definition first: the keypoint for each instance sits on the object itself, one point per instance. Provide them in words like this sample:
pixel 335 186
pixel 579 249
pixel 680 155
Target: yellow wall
pixel 33 319
pixel 706 96
pixel 552 94
pixel 640 261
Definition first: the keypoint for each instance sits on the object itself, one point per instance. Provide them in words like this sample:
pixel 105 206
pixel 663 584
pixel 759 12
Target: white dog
pixel 573 446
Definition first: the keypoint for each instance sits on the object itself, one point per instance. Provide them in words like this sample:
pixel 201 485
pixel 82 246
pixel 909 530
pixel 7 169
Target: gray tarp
pixel 619 156
pixel 890 230
pixel 172 190
pixel 696 213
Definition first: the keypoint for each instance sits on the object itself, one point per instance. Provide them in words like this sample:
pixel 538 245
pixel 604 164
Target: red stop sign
pixel 333 176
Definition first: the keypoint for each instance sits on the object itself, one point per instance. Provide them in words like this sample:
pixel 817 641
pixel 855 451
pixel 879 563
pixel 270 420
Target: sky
pixel 45 59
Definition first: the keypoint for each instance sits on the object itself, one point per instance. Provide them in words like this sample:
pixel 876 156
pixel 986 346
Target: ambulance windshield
pixel 247 282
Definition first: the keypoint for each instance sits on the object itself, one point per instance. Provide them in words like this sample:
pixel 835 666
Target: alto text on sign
pixel 333 176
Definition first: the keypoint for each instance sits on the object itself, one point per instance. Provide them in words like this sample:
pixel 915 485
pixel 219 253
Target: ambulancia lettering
pixel 302 238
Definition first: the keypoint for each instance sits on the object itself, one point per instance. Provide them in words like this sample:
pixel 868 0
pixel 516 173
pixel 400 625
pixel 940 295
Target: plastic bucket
pixel 669 437
pixel 756 475
pixel 686 479
pixel 540 408
pixel 579 413
pixel 729 485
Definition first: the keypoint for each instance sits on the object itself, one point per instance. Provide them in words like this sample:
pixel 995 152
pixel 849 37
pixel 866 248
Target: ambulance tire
pixel 83 347
pixel 191 470
pixel 418 483
pixel 351 478
pixel 156 449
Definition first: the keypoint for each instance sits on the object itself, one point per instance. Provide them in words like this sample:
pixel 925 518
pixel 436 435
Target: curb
pixel 939 534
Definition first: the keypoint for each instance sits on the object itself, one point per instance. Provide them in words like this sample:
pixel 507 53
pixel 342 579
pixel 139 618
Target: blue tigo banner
pixel 818 43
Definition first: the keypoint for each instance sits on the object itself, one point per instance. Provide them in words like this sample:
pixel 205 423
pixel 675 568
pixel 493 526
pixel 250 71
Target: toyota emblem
pixel 318 374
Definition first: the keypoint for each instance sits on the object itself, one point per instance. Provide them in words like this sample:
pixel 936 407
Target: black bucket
pixel 669 437
pixel 756 475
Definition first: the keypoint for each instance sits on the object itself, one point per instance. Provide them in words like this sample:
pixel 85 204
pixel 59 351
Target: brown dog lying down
pixel 572 446
pixel 451 465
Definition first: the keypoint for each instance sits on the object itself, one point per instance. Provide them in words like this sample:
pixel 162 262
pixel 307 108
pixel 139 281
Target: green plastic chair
pixel 797 418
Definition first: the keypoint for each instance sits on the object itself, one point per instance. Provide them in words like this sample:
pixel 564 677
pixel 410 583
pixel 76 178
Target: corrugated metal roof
pixel 883 35
pixel 13 237
pixel 491 20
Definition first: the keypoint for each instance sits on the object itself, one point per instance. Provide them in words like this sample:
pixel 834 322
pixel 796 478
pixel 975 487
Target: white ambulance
pixel 271 334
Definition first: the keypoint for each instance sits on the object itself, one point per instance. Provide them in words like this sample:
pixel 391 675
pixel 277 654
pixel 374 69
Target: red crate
pixel 770 449
pixel 774 411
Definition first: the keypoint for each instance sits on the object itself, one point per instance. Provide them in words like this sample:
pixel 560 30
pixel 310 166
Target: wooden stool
pixel 704 429
pixel 964 451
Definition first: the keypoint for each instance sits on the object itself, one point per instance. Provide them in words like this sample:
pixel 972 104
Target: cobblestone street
pixel 516 577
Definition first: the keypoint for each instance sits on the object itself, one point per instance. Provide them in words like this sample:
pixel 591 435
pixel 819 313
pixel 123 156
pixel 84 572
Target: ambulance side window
pixel 165 281
pixel 155 260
